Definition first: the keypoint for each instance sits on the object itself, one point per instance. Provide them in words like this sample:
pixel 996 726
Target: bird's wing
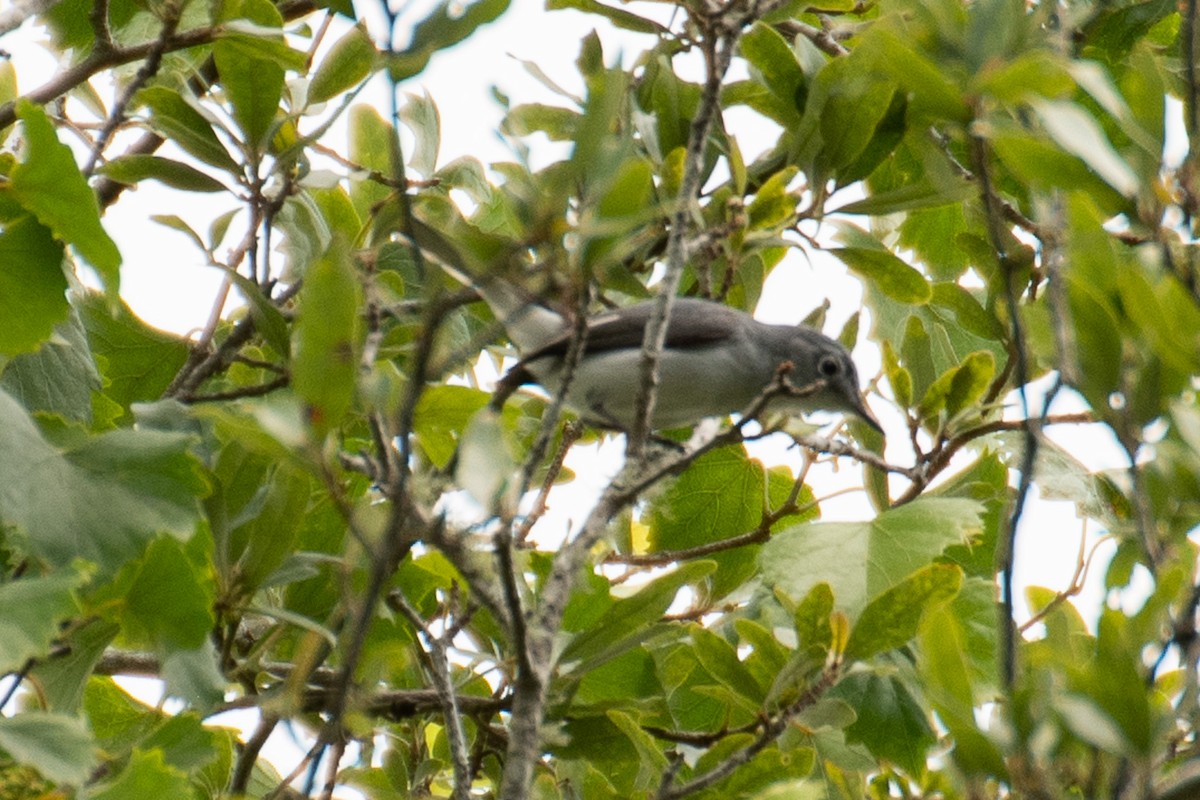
pixel 701 322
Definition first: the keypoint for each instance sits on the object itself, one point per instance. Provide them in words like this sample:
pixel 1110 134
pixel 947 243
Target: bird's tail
pixel 529 324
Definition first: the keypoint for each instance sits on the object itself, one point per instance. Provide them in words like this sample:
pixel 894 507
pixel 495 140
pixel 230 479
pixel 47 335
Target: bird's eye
pixel 829 366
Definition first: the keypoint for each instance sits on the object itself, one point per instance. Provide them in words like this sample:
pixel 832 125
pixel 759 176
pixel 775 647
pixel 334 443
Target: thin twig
pixel 258 390
pixel 148 70
pixel 570 434
pixel 18 678
pixel 1030 425
pixel 439 668
pixel 546 618
pixel 772 729
pixel 248 756
pixel 936 460
pixel 825 41
pixel 310 758
pixel 99 60
pixel 718 53
pixel 337 751
pixel 1083 562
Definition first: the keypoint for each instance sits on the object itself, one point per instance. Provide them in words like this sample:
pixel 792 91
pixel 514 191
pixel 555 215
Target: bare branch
pixel 718 47
pixel 545 619
pixel 248 756
pixel 439 669
pixel 101 59
pixel 772 729
pixel 825 40
pixel 148 70
pixel 1031 425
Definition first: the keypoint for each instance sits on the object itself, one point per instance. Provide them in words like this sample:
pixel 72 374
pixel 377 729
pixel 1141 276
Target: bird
pixel 716 360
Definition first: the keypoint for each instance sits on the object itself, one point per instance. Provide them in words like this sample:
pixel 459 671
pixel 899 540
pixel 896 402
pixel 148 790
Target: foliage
pixel 264 516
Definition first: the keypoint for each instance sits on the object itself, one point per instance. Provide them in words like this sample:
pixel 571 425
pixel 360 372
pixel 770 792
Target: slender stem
pixel 101 59
pixel 1030 425
pixel 439 669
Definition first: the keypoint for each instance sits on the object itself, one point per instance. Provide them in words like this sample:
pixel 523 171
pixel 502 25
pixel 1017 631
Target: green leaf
pixel 133 169
pixel 967 311
pixel 101 499
pixel 852 112
pixel 307 234
pixel 253 84
pixel 769 53
pixel 270 522
pixel 721 660
pixel 1077 132
pixel 61 680
pixel 118 721
pixel 814 631
pixel 261 41
pixel 162 599
pixel 971 380
pixel 910 197
pixel 327 337
pixel 889 131
pixel 614 682
pixel 1040 73
pixel 176 119
pixel 890 620
pixel 33 288
pixel 1098 344
pixel 60 377
pixel 946 678
pixel 184 742
pixel 420 115
pixel 959 387
pixel 486 463
pixel 891 275
pixel 861 560
pixel 721 495
pixel 139 361
pixel 371 147
pixel 441 417
pixel 933 94
pixel 1089 722
pixel 624 623
pixel 618 765
pixel 49 184
pixel 34 608
pixel 891 723
pixel 994 30
pixel 932 235
pixel 620 18
pixel 146 776
pixel 268 319
pixel 195 676
pixel 8 82
pixel 56 745
pixel 350 61
pixel 898 377
pixel 447 25
pixel 559 124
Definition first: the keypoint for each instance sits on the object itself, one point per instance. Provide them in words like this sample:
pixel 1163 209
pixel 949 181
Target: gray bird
pixel 716 361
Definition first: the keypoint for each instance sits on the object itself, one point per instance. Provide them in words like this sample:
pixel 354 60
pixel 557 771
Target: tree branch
pixel 772 729
pixel 101 59
pixel 439 670
pixel 1030 425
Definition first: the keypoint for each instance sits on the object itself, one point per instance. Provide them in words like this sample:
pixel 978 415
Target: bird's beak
pixel 860 408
